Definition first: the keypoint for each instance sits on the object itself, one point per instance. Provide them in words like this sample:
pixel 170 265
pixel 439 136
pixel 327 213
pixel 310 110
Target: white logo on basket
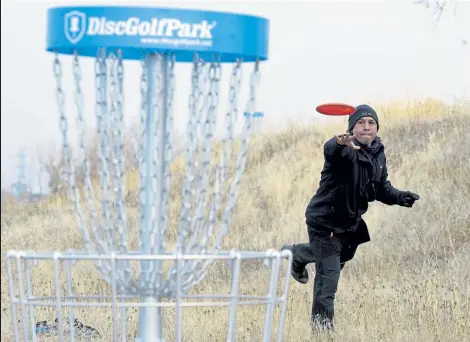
pixel 76 25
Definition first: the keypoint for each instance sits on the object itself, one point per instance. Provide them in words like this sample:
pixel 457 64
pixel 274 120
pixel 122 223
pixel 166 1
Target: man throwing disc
pixel 354 174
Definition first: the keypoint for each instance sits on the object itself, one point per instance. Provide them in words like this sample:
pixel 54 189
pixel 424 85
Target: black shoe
pixel 300 276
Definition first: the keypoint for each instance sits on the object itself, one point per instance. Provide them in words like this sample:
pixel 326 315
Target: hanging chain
pixel 143 112
pixel 199 240
pixel 102 118
pixel 188 191
pixel 227 140
pixel 200 165
pixel 88 185
pixel 199 237
pixel 198 243
pixel 156 148
pixel 122 157
pixel 168 96
pixel 226 148
pixel 70 172
pixel 200 85
pixel 195 277
pixel 208 224
pixel 242 156
pixel 118 155
pixel 154 127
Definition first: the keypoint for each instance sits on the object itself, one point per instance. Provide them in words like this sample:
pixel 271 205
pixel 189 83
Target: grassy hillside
pixel 410 283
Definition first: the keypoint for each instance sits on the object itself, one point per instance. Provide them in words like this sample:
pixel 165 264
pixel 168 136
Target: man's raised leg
pixel 302 255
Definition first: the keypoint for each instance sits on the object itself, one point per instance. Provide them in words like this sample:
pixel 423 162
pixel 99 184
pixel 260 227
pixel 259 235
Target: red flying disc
pixel 335 109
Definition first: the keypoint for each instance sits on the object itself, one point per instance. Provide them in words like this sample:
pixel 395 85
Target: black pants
pixel 325 252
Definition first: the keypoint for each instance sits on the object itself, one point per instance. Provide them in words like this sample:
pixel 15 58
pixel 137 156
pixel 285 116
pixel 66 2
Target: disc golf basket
pixel 168 270
pixel 256 121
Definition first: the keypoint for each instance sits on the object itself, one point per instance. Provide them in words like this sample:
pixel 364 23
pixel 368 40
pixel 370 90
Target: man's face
pixel 365 130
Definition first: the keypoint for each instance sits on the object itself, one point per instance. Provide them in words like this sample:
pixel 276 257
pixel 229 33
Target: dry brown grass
pixel 410 283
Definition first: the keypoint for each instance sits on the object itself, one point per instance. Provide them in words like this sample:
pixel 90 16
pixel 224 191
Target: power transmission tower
pixel 21 185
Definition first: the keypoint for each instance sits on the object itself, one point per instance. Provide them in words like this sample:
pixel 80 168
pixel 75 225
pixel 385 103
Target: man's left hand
pixel 408 198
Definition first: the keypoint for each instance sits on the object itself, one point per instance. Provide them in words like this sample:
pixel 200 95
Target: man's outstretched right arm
pixel 335 152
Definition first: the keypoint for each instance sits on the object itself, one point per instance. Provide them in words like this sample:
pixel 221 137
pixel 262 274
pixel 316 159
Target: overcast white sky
pixel 350 51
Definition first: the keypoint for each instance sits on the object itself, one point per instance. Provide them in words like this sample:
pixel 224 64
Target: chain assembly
pixel 210 182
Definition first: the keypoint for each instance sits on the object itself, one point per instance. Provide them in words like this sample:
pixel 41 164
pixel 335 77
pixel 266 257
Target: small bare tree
pixel 51 162
pixel 438 8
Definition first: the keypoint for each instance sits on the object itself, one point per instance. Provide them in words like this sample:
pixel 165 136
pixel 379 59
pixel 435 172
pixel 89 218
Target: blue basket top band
pixel 254 114
pixel 137 31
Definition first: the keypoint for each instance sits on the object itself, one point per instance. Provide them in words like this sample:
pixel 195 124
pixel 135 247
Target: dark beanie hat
pixel 361 112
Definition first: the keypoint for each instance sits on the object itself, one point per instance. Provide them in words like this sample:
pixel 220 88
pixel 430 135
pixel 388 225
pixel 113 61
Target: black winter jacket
pixel 350 179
